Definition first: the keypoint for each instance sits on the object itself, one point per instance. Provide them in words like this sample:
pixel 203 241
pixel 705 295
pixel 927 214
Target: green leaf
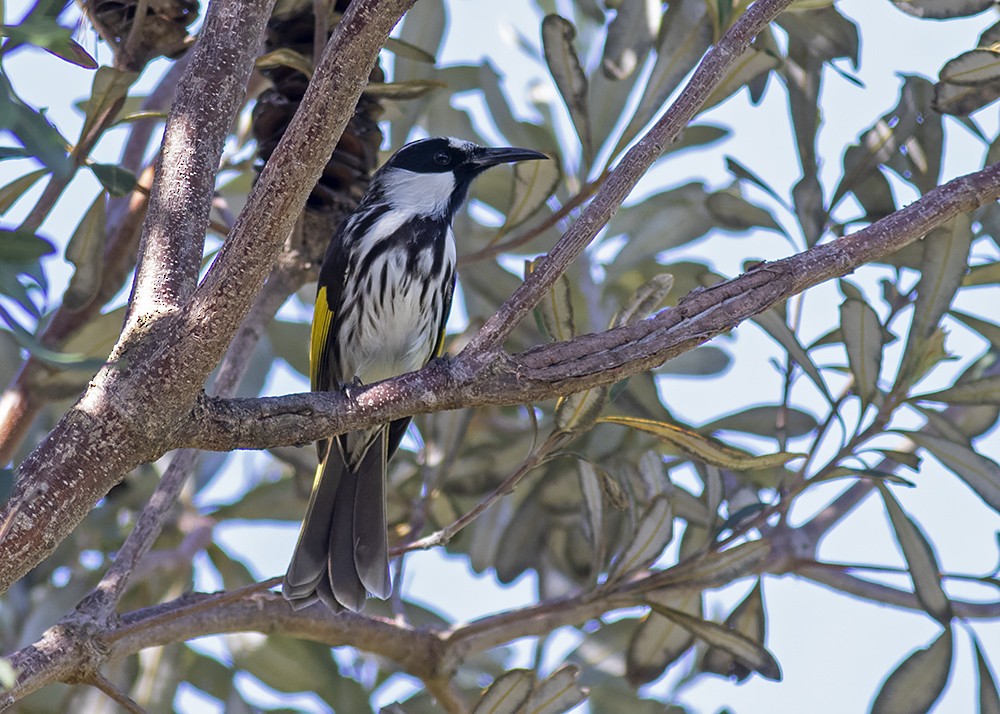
pixel 704 361
pixel 579 412
pixel 534 183
pixel 555 311
pixel 979 66
pixel 646 300
pixel 508 694
pixel 409 51
pixel 945 260
pixel 773 323
pixel 980 473
pixel 976 391
pixel 755 63
pixel 862 334
pixel 658 641
pixel 558 693
pixel 290 665
pixel 593 507
pixel 558 34
pixel 735 213
pixel 942 9
pixel 117 181
pixel 764 421
pixel 653 533
pixel 989 698
pixel 410 89
pixel 920 559
pixel 20 247
pixel 6 488
pixel 918 681
pixel 269 501
pixel 982 274
pixel 286 57
pixel 989 330
pixel 10 193
pixel 629 37
pixel 753 656
pixel 40 139
pixel 85 251
pixel 711 451
pixel 107 95
pixel 749 619
pixel 685 34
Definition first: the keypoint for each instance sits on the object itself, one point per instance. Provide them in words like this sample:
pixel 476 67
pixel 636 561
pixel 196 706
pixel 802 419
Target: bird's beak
pixel 485 157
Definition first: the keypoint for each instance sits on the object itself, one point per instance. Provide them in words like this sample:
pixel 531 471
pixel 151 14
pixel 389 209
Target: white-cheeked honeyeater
pixel 382 301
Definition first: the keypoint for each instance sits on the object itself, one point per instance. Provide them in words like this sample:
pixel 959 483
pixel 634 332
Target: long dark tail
pixel 342 553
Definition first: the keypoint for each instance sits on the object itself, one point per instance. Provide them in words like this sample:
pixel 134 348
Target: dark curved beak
pixel 485 157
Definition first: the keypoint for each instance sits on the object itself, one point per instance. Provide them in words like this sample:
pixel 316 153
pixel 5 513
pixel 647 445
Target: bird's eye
pixel 442 158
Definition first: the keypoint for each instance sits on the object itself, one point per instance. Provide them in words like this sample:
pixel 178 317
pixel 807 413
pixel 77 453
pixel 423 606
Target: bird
pixel 382 300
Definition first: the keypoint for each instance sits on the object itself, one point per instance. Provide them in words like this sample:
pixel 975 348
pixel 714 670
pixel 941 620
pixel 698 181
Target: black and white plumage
pixel 382 301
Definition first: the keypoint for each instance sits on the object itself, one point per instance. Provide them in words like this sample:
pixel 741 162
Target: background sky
pixel 834 650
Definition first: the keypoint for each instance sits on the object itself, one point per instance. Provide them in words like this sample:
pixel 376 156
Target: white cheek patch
pixel 420 194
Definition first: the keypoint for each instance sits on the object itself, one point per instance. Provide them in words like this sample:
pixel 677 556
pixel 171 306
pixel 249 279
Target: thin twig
pixel 99 681
pixel 637 160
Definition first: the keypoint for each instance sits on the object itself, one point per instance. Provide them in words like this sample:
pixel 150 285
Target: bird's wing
pixel 329 292
pixel 445 309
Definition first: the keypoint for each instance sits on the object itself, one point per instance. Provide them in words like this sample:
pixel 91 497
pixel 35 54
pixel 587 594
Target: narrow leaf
pixel 945 260
pixel 942 9
pixel 508 694
pixel 286 57
pixel 980 473
pixel 558 34
pixel 918 681
pixel 749 619
pixel 920 559
pixel 647 298
pixel 556 309
pixel 20 247
pixel 862 334
pixel 752 655
pixel 559 693
pixel 10 193
pixel 989 698
pixel 107 95
pixel 410 89
pixel 978 391
pixel 117 181
pixel 717 569
pixel 652 534
pixel 774 325
pixel 657 641
pixel 593 506
pixel 706 449
pixel 85 251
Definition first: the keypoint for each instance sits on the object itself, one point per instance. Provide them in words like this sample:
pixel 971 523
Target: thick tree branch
pixel 709 74
pixel 200 120
pixel 476 378
pixel 165 362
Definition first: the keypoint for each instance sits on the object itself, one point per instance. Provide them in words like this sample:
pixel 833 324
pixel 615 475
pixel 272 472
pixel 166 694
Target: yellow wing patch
pixel 318 354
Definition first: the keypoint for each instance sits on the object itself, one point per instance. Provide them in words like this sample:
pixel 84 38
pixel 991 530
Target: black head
pixel 448 166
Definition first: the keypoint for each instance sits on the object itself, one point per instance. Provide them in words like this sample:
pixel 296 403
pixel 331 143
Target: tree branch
pixel 476 378
pixel 213 86
pixel 166 361
pixel 708 75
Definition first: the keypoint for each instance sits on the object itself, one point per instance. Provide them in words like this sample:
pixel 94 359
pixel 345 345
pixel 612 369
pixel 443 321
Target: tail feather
pixel 342 552
pixel 370 540
pixel 308 566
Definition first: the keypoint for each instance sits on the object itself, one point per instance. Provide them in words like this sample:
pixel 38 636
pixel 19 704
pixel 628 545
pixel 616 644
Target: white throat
pixel 419 194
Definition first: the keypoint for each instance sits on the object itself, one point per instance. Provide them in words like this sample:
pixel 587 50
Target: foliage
pixel 617 499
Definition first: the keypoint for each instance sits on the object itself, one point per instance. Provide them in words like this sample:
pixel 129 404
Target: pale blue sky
pixel 834 651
